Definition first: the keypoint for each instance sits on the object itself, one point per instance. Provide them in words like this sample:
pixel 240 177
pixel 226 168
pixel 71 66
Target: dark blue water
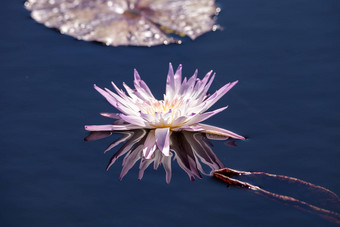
pixel 286 55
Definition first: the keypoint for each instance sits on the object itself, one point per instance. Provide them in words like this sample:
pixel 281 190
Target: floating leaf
pixel 126 22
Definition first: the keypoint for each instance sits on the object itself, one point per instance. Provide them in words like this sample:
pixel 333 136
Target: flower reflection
pixel 189 149
pixel 126 22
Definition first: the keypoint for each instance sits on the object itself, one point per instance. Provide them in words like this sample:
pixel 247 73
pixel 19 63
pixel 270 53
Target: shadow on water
pixel 190 149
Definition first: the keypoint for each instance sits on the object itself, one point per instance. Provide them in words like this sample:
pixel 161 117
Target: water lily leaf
pixel 126 22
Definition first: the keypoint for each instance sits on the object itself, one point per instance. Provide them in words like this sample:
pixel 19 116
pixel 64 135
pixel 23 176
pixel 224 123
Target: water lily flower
pixel 183 108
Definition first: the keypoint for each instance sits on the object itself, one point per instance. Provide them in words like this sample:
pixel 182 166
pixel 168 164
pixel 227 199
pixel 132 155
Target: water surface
pixel 285 55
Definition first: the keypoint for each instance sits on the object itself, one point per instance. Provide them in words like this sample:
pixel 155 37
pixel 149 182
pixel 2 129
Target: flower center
pixel 160 106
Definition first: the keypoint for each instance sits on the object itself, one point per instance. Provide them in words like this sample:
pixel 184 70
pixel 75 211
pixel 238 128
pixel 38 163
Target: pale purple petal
pixel 115 143
pixel 135 120
pixel 131 92
pixel 127 100
pixel 124 105
pixel 170 85
pixel 113 101
pixel 141 87
pixel 220 131
pixel 157 159
pixel 149 151
pixel 187 88
pixel 216 137
pixel 201 85
pixel 217 95
pixel 149 145
pixel 167 167
pixel 202 117
pixel 119 91
pixel 148 118
pixel 97 135
pixel 206 88
pixel 111 127
pixel 108 97
pixel 137 135
pixel 203 151
pixel 111 115
pixel 184 154
pixel 130 159
pixel 164 119
pixel 189 128
pixel 182 119
pixel 163 140
pixel 178 79
pixel 144 164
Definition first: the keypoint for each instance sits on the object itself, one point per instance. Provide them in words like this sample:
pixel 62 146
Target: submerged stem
pixel 226 175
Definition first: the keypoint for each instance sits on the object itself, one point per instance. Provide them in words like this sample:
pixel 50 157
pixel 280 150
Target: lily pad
pixel 127 22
